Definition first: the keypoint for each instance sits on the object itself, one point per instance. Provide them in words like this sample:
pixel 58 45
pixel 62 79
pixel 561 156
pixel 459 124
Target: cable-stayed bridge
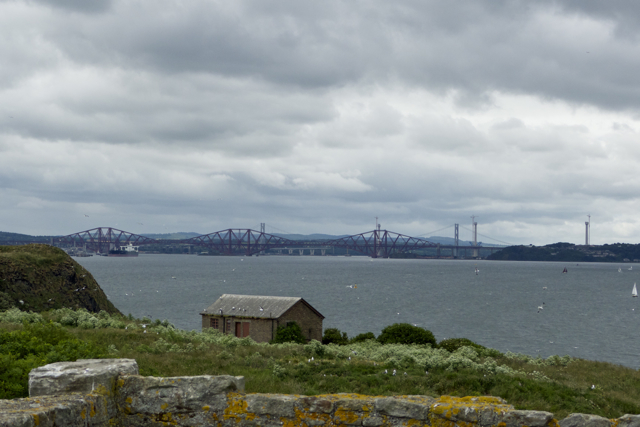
pixel 377 243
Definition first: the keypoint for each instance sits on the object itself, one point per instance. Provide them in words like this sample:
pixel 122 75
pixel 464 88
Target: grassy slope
pixel 44 278
pixel 526 383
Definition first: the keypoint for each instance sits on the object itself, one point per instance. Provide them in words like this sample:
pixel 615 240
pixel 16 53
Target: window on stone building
pixel 215 324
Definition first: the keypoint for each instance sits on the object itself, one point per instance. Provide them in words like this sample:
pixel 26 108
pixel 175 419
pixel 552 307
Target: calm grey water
pixel 588 313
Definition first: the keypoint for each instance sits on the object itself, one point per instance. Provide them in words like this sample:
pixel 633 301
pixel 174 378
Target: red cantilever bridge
pixel 376 243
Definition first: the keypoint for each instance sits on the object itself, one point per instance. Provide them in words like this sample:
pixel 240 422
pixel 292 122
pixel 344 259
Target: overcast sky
pixel 316 117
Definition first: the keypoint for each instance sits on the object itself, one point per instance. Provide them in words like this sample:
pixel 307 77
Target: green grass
pixel 557 385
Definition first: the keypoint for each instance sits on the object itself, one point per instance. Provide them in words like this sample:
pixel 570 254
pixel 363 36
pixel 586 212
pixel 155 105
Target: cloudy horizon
pixel 169 116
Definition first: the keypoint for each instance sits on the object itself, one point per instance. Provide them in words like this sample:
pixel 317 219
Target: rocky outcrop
pixel 40 277
pixel 112 394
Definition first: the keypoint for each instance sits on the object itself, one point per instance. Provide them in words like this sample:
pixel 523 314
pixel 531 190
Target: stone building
pixel 258 317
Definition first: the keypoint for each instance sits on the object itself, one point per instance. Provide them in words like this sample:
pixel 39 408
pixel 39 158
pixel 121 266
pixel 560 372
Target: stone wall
pixel 105 393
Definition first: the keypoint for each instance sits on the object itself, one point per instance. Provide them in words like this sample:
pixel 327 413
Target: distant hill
pixel 617 252
pixel 41 277
pixel 16 237
pixel 316 236
pixel 171 236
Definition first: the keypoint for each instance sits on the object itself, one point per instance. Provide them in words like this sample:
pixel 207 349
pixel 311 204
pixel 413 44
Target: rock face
pixel 113 395
pixel 41 277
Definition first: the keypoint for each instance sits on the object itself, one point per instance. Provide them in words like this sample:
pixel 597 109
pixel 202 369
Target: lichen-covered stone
pixel 151 395
pixel 585 420
pixel 317 404
pixel 279 405
pixel 413 407
pixel 517 418
pixel 69 410
pixel 629 421
pixel 81 376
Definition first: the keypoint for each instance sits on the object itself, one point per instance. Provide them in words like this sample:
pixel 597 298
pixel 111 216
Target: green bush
pixel 405 333
pixel 37 345
pixel 363 337
pixel 334 336
pixel 289 333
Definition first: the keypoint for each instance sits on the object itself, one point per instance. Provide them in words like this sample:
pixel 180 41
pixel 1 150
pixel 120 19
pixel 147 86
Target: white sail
pixel 634 292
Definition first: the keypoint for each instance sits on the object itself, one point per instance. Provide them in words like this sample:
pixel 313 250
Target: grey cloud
pixel 93 6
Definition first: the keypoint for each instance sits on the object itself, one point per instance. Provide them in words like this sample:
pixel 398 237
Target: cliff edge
pixel 39 277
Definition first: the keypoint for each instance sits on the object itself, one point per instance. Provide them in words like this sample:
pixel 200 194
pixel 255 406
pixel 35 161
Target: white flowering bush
pixel 14 315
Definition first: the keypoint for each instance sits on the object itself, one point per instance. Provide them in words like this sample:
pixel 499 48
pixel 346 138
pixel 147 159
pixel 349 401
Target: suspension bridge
pixel 377 243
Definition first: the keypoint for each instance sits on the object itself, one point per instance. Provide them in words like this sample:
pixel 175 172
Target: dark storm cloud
pixel 569 51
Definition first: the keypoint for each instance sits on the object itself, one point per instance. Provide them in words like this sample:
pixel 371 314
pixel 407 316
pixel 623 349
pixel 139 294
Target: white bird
pixel 349 357
pixel 426 372
pixel 405 373
pixel 311 357
pixel 593 386
pixel 394 372
pixel 173 277
pixel 261 309
pixel 86 215
pixel 385 371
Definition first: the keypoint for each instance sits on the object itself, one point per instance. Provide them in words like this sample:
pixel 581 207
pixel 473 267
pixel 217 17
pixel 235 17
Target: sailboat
pixel 634 292
pixel 631 268
pixel 477 271
pixel 619 270
pixel 565 270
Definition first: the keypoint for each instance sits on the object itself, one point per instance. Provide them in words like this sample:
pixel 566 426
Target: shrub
pixel 334 336
pixel 290 333
pixel 363 337
pixel 452 344
pixel 405 333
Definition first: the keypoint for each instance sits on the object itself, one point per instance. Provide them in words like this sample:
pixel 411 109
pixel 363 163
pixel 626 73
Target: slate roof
pixel 250 306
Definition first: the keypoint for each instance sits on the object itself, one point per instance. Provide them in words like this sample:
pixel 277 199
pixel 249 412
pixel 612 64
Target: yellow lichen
pixel 36 419
pixel 83 413
pixel 206 408
pixel 164 406
pixel 129 400
pixel 346 416
pixel 236 406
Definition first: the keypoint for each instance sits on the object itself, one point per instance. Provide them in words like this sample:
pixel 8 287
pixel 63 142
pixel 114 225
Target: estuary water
pixel 587 312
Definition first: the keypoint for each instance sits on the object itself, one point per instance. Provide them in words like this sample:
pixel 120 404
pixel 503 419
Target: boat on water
pixel 124 251
pixel 619 270
pixel 565 270
pixel 477 271
pixel 631 268
pixel 634 292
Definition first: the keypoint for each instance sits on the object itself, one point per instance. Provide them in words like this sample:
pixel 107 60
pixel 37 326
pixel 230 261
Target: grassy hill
pixel 40 277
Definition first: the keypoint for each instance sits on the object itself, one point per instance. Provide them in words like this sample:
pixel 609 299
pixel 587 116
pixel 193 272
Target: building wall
pixel 260 330
pixel 308 320
pixel 263 330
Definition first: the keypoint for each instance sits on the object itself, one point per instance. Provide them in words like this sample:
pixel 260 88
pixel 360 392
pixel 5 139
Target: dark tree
pixel 405 333
pixel 289 333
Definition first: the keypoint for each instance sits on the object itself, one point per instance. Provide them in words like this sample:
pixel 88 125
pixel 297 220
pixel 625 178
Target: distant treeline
pixel 616 252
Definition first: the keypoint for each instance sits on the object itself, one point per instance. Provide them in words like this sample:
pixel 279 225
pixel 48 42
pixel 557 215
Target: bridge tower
pixel 474 231
pixel 456 241
pixel 587 231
